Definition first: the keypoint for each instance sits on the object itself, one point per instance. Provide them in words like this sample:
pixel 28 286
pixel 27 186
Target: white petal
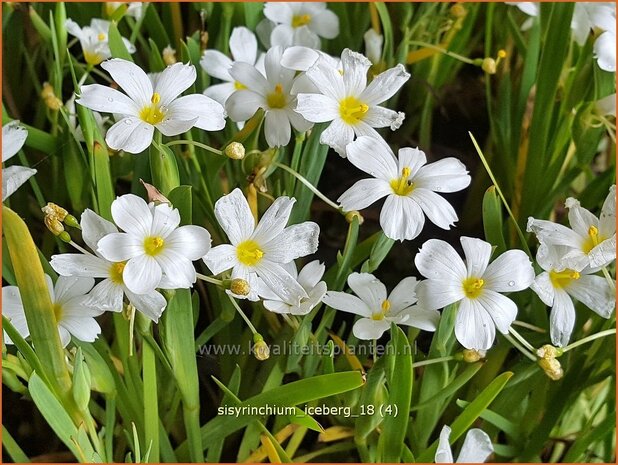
pixel 476 448
pixel 477 253
pixel 165 219
pixel 13 309
pixel 13 178
pixel 278 12
pixel 65 336
pixel 179 270
pixel 604 253
pixel 373 45
pixel 107 100
pixel 107 296
pixel 297 121
pixel 364 193
pixel 173 81
pixel 543 287
pixel 277 129
pixel 315 297
pixel 221 258
pixel 419 317
pixel 118 247
pixel 512 271
pixel 77 264
pixel 605 51
pixel 151 304
pixel 404 294
pixel 95 227
pixel 325 24
pixel 130 134
pixel 68 287
pixel 274 220
pixel 282 36
pixel 13 138
pixel 580 219
pixel 355 68
pixel 277 306
pixel 311 274
pixel 82 329
pixel 346 303
pixel 280 282
pixel 275 73
pixel 374 157
pixel 607 220
pixel 131 78
pixel 131 214
pixel 255 283
pixel 327 79
pixel 220 92
pixel 401 218
pixel 142 274
pixel 234 216
pixel 369 288
pixel 501 309
pixel 553 233
pixel 367 328
pixel 444 454
pixel 73 28
pixel 437 259
pixel 243 45
pixel 474 328
pixel 299 58
pixel 293 242
pixel 250 77
pixel 317 108
pixel 210 114
pixel 561 319
pixel 438 210
pixel 446 175
pixel 385 85
pixel 173 124
pixel 192 242
pixel 216 64
pixel 594 292
pixel 434 294
pixel 380 117
pixel 243 104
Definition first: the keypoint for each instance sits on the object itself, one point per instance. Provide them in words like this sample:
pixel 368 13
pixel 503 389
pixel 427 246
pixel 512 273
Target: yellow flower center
pixel 239 86
pixel 276 99
pixel 249 253
pixel 57 312
pixel 385 307
pixel 101 36
pixel 152 114
pixel 301 20
pixel 402 186
pixel 92 58
pixel 561 279
pixel 593 239
pixel 472 287
pixel 153 245
pixel 115 272
pixel 352 110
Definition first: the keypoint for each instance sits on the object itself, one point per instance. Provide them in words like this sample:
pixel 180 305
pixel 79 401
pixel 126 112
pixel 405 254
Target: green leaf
pixel 379 251
pixel 492 220
pixel 163 168
pixel 181 199
pixel 12 448
pixel 116 44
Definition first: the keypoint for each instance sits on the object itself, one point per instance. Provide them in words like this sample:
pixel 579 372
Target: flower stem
pixel 208 148
pixel 80 248
pixel 610 280
pixel 448 358
pixel 607 332
pixel 310 186
pixel 242 314
pixel 523 324
pixel 210 280
pixel 443 51
pixel 520 348
pixel 521 339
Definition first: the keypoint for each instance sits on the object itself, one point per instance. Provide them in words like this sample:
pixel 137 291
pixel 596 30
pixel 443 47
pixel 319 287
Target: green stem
pixel 521 339
pixel 610 280
pixel 448 358
pixel 590 338
pixel 523 324
pixel 242 314
pixel 151 403
pixel 519 347
pixel 195 144
pixel 309 185
pixel 210 280
pixel 443 51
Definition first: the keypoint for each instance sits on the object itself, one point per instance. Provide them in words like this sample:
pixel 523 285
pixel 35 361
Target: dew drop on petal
pixel 128 122
pixel 110 99
pixel 511 283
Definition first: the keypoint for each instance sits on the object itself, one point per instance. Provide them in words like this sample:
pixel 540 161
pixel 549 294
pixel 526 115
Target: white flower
pixel 152 244
pixel 244 49
pixel 73 313
pixel 377 309
pixel 146 107
pixel 13 138
pixel 475 285
pixel 347 100
pixel 110 292
pixel 409 185
pixel 557 285
pixel 309 278
pixel 591 241
pixel 135 9
pixel 605 50
pixel 94 40
pixel 272 93
pixel 301 23
pixel 477 447
pixel 301 58
pixel 606 106
pixel 262 250
pixel 373 45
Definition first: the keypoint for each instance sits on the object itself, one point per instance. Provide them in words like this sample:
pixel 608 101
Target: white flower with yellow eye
pixel 134 9
pixel 476 285
pixel 94 40
pixel 377 309
pixel 345 99
pixel 146 106
pixel 272 93
pixel 410 186
pixel 590 242
pixel 70 301
pixel 153 245
pixel 557 286
pixel 262 251
pixel 476 448
pixel 110 292
pixel 13 139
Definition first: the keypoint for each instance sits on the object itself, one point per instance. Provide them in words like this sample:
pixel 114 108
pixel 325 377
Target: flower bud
pixel 70 220
pixel 49 97
pixel 81 382
pixel 260 349
pixel 239 286
pixel 64 237
pixel 489 65
pixel 473 355
pixel 235 151
pixel 458 11
pixel 169 55
pixel 349 217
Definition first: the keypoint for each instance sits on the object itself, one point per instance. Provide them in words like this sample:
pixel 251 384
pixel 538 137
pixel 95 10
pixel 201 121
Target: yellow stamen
pixel 593 239
pixel 561 279
pixel 301 20
pixel 101 36
pixel 152 114
pixel 239 86
pixel 115 272
pixel 276 99
pixel 352 110
pixel 472 287
pixel 249 253
pixel 385 307
pixel 402 186
pixel 153 245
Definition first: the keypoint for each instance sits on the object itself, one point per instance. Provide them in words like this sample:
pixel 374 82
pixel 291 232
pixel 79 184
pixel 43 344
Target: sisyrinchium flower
pixel 73 309
pixel 153 246
pixel 556 286
pixel 13 138
pixel 477 447
pixel 310 280
pixel 272 93
pixel 94 40
pixel 409 185
pixel 301 23
pixel 377 309
pixel 590 241
pixel 110 292
pixel 146 106
pixel 262 250
pixel 244 49
pixel 345 99
pixel 373 46
pixel 476 285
